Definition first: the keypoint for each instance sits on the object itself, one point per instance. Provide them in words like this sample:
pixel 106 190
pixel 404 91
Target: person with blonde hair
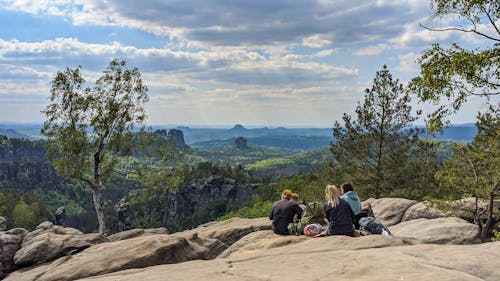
pixel 338 213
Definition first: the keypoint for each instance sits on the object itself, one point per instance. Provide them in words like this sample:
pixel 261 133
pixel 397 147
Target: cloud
pixel 372 50
pixel 408 63
pixel 316 24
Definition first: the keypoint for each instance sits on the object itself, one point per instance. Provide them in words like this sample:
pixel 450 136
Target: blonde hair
pixel 332 195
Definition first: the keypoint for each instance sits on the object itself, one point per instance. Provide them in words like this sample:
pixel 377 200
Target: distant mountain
pixel 13 134
pixel 459 133
pixel 261 136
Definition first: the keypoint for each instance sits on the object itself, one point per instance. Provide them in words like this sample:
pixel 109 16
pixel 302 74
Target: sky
pixel 221 62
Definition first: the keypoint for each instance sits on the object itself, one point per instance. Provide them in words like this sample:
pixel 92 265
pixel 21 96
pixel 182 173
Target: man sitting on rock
pixel 283 212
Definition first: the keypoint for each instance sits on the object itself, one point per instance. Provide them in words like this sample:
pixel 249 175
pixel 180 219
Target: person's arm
pixel 298 210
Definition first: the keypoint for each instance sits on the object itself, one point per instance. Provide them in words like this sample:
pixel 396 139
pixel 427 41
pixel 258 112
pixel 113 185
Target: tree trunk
pixel 96 196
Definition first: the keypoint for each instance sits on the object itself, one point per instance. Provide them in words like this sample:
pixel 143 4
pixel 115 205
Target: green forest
pixel 96 149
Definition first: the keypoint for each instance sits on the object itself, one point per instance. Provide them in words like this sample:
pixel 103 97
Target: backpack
pixel 314 213
pixel 373 226
pixel 313 229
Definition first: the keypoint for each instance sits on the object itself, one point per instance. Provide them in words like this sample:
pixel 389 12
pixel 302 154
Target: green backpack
pixel 314 213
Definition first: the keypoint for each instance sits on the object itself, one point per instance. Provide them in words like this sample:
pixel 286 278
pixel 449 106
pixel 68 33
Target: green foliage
pixel 89 128
pixel 448 77
pixel 289 165
pixel 256 209
pixel 473 170
pixel 376 151
pixel 21 211
pixel 496 235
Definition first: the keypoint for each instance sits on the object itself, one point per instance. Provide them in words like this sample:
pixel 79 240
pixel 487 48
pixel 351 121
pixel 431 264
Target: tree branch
pixel 491 20
pixel 460 29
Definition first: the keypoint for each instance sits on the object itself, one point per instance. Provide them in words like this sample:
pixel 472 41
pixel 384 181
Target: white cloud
pixel 372 50
pixel 324 53
pixel 407 63
pixel 316 41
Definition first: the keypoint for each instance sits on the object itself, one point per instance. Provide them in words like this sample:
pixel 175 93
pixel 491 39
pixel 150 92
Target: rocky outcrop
pixel 246 249
pixel 333 258
pixel 10 242
pixel 49 242
pixel 204 242
pixel 200 199
pixel 60 216
pixel 241 143
pixel 133 233
pixel 123 215
pixel 390 211
pixel 178 137
pixel 3 224
pixel 422 210
pixel 448 230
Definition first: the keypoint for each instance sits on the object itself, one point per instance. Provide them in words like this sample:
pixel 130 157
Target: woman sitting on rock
pixel 338 213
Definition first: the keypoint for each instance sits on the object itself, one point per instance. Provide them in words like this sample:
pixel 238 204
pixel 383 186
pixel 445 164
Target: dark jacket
pixel 340 218
pixel 282 214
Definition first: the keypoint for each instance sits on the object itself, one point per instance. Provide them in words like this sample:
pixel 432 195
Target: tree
pixel 23 216
pixel 456 73
pixel 473 170
pixel 89 128
pixel 372 150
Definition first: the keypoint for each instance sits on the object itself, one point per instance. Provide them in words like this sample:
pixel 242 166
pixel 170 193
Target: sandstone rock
pixel 448 230
pixel 48 246
pixel 10 242
pixel 204 242
pixel 421 210
pixel 178 137
pixel 390 211
pixel 335 258
pixel 50 241
pixel 3 223
pixel 136 233
pixel 241 143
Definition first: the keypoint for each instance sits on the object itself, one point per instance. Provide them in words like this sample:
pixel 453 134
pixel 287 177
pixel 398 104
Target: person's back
pixel 340 218
pixel 282 213
pixel 352 198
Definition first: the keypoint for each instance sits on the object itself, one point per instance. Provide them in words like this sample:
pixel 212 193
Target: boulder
pixel 335 258
pixel 422 210
pixel 10 242
pixel 390 211
pixel 205 242
pixel 3 223
pixel 50 241
pixel 133 233
pixel 449 230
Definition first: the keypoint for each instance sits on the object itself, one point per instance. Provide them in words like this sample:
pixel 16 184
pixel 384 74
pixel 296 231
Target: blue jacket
pixel 352 198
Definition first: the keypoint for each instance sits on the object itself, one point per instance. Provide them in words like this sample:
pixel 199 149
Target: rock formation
pixel 442 248
pixel 178 137
pixel 198 199
pixel 240 143
pixel 50 241
pixel 3 224
pixel 60 216
pixel 123 215
pixel 10 243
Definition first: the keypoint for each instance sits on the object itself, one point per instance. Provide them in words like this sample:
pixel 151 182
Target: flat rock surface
pixel 335 258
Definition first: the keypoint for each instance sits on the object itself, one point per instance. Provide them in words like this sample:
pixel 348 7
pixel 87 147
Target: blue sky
pixel 220 62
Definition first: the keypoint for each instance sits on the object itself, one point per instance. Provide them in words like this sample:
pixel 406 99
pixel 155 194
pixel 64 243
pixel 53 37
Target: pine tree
pixel 373 149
